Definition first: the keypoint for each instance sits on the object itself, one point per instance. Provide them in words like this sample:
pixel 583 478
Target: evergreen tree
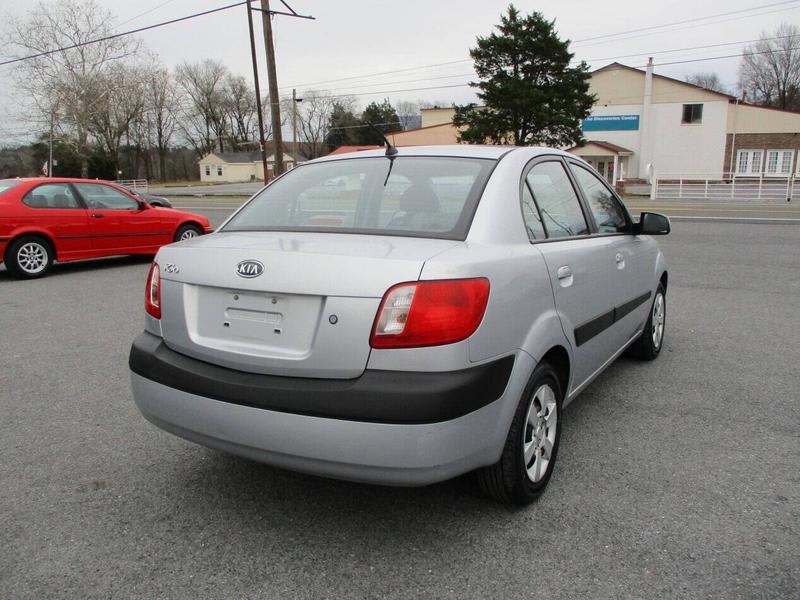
pixel 530 94
pixel 343 127
pixel 383 116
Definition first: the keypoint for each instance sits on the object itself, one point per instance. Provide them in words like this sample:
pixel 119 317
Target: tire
pixel 515 479
pixel 649 344
pixel 29 257
pixel 187 232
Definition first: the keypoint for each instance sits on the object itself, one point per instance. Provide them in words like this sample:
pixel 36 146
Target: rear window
pixel 408 196
pixel 7 184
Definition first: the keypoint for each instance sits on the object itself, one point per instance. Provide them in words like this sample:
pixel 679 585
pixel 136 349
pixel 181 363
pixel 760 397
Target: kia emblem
pixel 249 269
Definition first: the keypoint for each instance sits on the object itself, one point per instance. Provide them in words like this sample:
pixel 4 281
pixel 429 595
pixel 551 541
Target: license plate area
pixel 260 323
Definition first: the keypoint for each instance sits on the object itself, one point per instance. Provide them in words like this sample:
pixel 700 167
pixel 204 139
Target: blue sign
pixel 611 123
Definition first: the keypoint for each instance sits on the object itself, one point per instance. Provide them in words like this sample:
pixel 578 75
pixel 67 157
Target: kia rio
pixel 402 317
pixel 47 219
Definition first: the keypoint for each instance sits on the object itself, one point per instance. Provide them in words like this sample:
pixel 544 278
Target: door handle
pixel 620 258
pixel 564 275
pixel 98 216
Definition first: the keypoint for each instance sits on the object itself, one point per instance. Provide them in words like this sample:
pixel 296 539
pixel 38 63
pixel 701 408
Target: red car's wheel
pixel 187 232
pixel 28 257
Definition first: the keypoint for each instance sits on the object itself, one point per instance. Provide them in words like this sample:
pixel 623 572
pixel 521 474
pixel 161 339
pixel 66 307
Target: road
pixel 677 478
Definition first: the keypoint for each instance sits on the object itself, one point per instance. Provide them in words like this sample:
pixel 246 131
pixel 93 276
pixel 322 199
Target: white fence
pixel 137 185
pixel 725 187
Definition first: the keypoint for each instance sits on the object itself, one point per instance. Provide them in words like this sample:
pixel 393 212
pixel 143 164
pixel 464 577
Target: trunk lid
pixel 308 314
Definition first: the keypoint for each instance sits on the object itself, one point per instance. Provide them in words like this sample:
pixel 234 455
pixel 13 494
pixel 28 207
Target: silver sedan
pixel 402 317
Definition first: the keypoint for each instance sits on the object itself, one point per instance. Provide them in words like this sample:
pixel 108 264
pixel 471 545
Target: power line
pixel 645 53
pixel 619 33
pixel 451 62
pixel 146 28
pixel 147 12
pixel 461 85
pixel 122 34
pixel 685 21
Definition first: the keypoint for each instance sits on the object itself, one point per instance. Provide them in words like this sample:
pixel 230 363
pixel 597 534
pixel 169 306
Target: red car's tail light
pixel 430 313
pixel 152 292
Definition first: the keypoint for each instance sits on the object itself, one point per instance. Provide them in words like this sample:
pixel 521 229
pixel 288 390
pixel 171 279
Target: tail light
pixel 430 313
pixel 152 292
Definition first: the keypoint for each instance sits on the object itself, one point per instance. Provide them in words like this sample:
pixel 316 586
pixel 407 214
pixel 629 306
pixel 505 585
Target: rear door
pixel 577 263
pixel 56 207
pixel 632 258
pixel 118 221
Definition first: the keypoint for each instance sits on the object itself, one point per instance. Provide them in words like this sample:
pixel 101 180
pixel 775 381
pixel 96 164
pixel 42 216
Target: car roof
pixel 447 150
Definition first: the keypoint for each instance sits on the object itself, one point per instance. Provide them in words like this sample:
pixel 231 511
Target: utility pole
pixel 52 127
pixel 295 100
pixel 274 103
pixel 261 140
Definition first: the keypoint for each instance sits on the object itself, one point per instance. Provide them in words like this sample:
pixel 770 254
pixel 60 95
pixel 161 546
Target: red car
pixel 47 219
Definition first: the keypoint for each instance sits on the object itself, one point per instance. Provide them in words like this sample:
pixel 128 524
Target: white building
pixel 643 123
pixel 240 167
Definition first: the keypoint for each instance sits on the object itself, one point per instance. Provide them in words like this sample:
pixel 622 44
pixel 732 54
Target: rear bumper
pixel 399 397
pixel 407 452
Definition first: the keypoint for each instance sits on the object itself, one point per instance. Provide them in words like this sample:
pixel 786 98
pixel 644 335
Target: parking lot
pixel 675 478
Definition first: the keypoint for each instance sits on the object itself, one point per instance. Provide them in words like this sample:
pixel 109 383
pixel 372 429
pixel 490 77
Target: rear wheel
pixel 649 344
pixel 187 232
pixel 28 257
pixel 529 454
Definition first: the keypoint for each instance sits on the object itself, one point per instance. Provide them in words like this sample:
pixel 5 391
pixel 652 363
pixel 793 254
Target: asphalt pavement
pixel 676 478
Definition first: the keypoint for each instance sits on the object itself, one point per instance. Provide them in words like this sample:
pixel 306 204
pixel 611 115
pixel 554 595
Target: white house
pixel 239 167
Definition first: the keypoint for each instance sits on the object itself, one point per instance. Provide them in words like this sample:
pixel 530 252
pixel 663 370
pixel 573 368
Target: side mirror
pixel 651 223
pixel 143 205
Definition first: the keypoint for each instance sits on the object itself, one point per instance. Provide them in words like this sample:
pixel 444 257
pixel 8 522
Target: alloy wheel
pixel 540 432
pixel 32 258
pixel 658 320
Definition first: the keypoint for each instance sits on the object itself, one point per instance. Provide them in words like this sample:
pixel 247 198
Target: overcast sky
pixel 352 38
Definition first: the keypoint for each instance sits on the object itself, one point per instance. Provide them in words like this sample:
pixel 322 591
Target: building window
pixel 748 162
pixel 778 163
pixel 692 113
pixel 208 170
pixel 219 171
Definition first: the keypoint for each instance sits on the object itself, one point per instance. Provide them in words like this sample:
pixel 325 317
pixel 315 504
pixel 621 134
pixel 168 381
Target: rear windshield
pixel 7 184
pixel 410 196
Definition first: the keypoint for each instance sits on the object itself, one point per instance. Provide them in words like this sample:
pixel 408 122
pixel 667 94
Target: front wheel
pixel 187 232
pixel 29 257
pixel 529 454
pixel 649 344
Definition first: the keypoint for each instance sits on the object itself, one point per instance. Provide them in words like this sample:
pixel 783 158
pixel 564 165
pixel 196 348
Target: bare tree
pixel 203 121
pixel 770 69
pixel 240 105
pixel 121 104
pixel 707 80
pixel 68 83
pixel 408 113
pixel 161 114
pixel 313 121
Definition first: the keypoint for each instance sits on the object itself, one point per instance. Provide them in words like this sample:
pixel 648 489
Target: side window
pixel 608 213
pixel 531 216
pixel 557 201
pixel 104 197
pixel 51 195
